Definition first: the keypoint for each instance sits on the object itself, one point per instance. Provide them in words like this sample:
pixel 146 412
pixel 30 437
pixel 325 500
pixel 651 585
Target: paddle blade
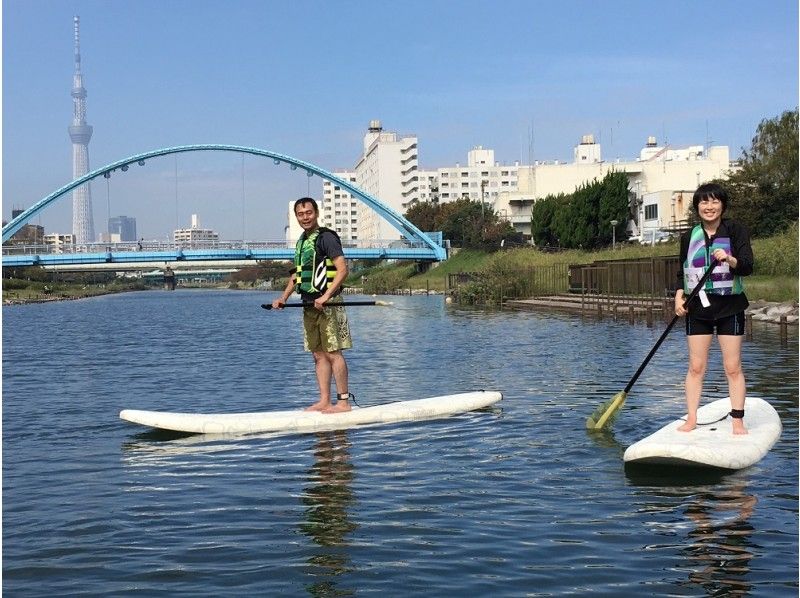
pixel 605 413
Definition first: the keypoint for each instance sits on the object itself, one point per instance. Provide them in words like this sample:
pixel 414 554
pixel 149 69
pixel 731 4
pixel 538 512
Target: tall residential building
pixel 339 210
pixel 388 170
pixel 80 133
pixel 195 235
pixel 122 229
pixel 481 178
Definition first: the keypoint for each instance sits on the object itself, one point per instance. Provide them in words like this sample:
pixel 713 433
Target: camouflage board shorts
pixel 326 330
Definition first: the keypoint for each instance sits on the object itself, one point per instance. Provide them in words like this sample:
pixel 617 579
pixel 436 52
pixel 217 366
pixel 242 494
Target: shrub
pixel 777 255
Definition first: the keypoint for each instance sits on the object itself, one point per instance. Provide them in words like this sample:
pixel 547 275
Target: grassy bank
pixel 775 277
pixel 29 291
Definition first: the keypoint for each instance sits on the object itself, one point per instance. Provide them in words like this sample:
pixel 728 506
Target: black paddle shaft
pixel 309 304
pixel 691 296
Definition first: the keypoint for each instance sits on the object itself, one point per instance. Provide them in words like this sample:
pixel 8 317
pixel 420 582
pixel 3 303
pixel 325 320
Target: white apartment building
pixel 481 178
pixel 659 178
pixel 339 210
pixel 195 235
pixel 388 169
pixel 58 241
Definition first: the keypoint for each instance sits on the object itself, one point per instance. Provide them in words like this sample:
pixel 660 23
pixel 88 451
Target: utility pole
pixel 614 235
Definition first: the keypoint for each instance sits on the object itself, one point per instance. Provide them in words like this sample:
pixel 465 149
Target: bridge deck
pixel 203 255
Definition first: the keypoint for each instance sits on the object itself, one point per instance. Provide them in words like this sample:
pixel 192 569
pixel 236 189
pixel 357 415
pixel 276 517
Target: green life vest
pixel 314 270
pixel 698 258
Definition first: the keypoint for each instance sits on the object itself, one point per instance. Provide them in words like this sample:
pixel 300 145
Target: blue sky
pixel 304 78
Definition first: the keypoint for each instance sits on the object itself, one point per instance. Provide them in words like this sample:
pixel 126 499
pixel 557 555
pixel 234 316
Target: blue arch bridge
pixel 414 244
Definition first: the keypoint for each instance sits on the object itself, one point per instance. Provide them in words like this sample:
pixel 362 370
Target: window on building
pixel 651 212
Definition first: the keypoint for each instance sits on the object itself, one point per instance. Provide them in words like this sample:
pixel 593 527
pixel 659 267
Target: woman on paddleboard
pixel 720 304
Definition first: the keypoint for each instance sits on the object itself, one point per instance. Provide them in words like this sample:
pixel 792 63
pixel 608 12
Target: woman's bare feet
pixel 738 426
pixel 691 424
pixel 340 407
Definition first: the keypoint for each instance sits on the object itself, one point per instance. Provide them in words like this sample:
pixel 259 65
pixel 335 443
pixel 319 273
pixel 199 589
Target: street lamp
pixel 614 235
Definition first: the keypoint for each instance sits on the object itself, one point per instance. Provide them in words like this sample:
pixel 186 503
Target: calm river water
pixel 516 500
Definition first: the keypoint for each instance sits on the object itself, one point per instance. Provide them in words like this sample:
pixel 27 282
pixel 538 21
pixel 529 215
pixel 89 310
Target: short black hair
pixel 710 191
pixel 304 200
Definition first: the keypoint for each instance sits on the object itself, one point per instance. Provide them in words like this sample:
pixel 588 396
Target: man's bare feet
pixel 738 426
pixel 340 407
pixel 319 406
pixel 690 425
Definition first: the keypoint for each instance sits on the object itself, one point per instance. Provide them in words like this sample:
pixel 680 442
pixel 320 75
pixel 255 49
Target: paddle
pixel 343 304
pixel 602 414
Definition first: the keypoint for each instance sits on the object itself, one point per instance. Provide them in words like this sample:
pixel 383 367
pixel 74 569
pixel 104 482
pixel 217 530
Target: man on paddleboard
pixel 719 306
pixel 320 270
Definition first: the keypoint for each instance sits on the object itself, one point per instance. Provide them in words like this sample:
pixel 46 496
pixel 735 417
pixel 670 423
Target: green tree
pixel 542 215
pixel 583 218
pixel 424 215
pixel 764 191
pixel 614 204
pixel 464 222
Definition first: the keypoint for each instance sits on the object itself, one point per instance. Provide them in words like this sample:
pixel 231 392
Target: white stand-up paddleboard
pixel 713 445
pixel 311 421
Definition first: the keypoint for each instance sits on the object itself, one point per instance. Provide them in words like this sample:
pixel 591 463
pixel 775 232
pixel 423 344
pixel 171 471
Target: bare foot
pixel 738 426
pixel 319 406
pixel 690 425
pixel 339 407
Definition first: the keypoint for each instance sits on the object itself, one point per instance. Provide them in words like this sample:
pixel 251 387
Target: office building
pixel 122 229
pixel 195 236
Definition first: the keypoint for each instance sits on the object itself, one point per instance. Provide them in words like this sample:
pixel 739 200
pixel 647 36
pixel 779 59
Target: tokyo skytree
pixel 80 133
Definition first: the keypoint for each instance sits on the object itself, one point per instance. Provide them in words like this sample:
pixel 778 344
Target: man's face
pixel 306 216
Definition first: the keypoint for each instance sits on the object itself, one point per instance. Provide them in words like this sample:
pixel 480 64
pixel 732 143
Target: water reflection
pixel 720 548
pixel 328 498
pixel 710 512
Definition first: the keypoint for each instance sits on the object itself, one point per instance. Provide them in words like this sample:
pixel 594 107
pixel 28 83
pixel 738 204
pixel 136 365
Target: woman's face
pixel 710 209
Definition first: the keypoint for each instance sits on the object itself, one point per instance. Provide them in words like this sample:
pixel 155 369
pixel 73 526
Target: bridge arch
pixel 406 228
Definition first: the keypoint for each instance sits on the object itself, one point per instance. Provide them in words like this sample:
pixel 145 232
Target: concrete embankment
pixel 761 311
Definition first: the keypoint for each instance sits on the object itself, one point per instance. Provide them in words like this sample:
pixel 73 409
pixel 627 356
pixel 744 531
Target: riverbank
pixel 46 294
pixel 511 268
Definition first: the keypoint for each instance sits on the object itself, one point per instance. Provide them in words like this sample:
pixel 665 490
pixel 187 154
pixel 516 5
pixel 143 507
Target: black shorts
pixel 727 326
